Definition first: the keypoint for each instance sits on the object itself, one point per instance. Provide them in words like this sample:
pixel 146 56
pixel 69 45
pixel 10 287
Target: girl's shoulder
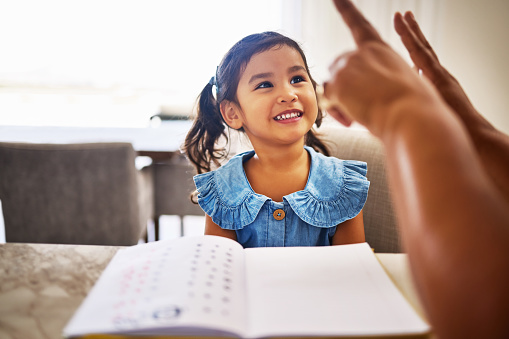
pixel 226 195
pixel 328 172
pixel 228 179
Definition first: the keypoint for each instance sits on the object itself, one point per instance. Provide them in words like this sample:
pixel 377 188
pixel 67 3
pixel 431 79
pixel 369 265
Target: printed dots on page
pixel 210 280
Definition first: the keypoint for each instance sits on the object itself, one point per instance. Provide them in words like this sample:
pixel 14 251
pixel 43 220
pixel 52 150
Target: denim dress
pixel 336 191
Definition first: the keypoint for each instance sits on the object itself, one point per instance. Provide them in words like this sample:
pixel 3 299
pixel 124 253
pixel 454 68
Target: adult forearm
pixel 493 150
pixel 444 199
pixel 491 144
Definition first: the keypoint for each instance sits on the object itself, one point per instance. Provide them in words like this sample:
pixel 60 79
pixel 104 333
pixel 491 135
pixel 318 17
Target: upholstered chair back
pixel 380 224
pixel 74 193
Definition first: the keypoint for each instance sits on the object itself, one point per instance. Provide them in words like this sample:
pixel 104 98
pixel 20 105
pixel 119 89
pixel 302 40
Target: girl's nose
pixel 287 95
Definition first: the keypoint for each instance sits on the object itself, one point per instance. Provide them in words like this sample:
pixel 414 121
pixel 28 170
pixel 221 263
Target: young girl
pixel 283 193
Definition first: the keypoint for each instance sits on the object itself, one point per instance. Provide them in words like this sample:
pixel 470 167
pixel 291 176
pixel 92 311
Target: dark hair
pixel 200 143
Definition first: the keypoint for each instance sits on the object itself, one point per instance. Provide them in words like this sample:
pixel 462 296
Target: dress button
pixel 279 214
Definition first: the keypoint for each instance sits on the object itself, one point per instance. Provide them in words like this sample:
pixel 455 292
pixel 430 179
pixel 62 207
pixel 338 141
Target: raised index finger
pixel 361 28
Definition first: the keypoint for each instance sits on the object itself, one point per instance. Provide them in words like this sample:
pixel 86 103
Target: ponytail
pixel 200 143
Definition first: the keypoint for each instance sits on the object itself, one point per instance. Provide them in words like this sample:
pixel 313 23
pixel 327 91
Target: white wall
pixel 473 43
pixel 470 37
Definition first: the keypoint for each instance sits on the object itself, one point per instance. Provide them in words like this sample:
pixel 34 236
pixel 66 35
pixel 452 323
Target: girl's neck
pixel 280 156
pixel 276 172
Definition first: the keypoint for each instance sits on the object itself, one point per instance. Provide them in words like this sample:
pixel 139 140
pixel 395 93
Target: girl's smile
pixel 289 116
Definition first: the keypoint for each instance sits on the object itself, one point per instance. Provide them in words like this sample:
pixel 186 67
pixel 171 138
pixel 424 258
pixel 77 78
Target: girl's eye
pixel 264 84
pixel 297 79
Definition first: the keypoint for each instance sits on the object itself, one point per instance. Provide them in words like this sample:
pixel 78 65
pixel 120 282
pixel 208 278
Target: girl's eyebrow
pixel 260 76
pixel 296 68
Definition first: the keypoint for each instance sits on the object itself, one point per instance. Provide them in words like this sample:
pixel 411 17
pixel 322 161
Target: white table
pixel 168 137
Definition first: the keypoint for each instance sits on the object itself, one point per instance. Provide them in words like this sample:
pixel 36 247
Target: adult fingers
pixel 419 49
pixel 339 62
pixel 340 116
pixel 329 91
pixel 416 29
pixel 361 28
pixel 334 107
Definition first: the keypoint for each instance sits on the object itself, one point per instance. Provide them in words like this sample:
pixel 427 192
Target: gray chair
pixel 173 185
pixel 380 224
pixel 74 193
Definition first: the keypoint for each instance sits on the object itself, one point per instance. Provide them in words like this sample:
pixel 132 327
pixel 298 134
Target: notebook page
pixel 175 286
pixel 335 290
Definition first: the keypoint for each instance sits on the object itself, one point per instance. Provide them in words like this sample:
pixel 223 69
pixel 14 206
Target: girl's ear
pixel 231 114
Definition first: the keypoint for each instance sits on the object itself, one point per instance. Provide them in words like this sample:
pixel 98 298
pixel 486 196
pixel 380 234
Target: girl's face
pixel 277 101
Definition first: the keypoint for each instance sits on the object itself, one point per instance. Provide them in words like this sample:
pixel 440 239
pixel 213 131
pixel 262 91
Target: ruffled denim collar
pixel 336 191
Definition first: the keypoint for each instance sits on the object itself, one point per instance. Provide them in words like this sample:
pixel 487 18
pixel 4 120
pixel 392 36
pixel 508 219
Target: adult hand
pixel 426 60
pixel 492 145
pixel 369 84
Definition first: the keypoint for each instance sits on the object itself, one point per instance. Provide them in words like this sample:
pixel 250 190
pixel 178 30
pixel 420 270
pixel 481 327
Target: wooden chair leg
pixel 156 228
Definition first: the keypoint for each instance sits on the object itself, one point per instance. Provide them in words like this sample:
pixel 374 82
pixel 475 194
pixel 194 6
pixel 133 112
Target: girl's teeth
pixel 288 116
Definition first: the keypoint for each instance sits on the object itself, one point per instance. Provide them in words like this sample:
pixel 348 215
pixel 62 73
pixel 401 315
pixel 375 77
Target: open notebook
pixel 211 286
